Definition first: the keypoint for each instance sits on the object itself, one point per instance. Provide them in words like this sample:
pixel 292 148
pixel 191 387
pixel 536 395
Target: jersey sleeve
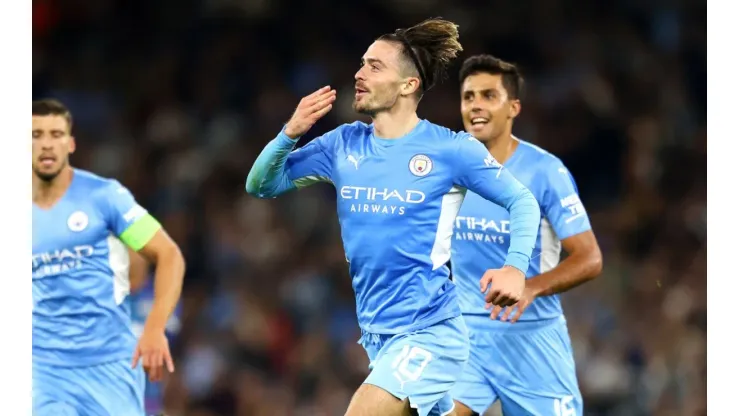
pixel 279 168
pixel 561 203
pixel 477 170
pixel 128 220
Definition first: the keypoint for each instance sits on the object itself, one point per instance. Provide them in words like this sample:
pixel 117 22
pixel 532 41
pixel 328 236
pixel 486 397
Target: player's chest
pixel 399 175
pixel 67 230
pixel 482 219
pixel 479 215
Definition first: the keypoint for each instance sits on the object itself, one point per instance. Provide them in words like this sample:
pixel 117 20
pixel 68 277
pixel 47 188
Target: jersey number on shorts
pixel 564 406
pixel 410 363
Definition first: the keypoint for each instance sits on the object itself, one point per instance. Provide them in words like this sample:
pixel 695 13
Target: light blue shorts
pixel 529 366
pixel 422 365
pixel 103 390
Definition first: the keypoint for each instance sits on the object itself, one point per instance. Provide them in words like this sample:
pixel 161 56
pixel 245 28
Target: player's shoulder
pixel 347 131
pixel 539 158
pixel 444 134
pixel 548 171
pixel 450 143
pixel 94 183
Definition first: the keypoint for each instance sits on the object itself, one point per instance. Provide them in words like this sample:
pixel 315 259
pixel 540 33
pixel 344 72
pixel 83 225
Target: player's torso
pixel 79 273
pixel 387 190
pixel 73 253
pixel 396 205
pixel 482 237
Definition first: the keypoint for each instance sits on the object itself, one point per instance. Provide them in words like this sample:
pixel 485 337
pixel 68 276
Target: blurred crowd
pixel 176 98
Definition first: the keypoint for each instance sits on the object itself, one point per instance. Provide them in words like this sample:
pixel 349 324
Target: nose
pixel 360 75
pixel 46 142
pixel 475 105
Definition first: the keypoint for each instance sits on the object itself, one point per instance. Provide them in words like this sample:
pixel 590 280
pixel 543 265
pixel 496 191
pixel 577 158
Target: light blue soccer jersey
pixel 482 233
pixel 397 202
pixel 80 273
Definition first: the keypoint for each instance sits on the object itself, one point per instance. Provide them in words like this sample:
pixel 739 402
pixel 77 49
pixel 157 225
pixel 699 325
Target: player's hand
pixel 309 111
pixel 154 351
pixel 527 298
pixel 506 286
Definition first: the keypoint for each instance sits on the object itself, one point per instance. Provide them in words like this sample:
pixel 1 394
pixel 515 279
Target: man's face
pixel 378 83
pixel 52 145
pixel 485 106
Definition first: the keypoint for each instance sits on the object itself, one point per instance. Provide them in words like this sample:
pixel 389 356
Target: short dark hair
pixel 511 78
pixel 431 46
pixel 52 107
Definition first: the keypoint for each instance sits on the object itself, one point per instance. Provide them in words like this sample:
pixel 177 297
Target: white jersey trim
pixel 451 203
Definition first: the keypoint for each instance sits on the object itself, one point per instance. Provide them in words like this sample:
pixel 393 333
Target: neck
pixel 46 193
pixel 502 146
pixel 396 122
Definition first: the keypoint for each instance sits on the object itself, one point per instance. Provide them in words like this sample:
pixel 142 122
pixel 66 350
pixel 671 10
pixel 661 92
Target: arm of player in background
pixel 479 172
pixel 141 232
pixel 279 169
pixel 138 270
pixel 169 272
pixel 565 212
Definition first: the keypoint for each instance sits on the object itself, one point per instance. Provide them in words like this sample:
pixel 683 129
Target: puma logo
pixel 351 159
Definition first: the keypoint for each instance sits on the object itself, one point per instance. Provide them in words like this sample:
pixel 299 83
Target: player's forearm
pixel 168 278
pixel 524 217
pixel 575 270
pixel 267 178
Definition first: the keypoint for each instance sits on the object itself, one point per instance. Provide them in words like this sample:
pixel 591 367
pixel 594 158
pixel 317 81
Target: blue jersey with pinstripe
pixel 80 274
pixel 482 232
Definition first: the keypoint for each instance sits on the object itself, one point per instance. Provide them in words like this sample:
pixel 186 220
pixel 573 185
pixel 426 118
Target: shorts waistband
pixel 485 322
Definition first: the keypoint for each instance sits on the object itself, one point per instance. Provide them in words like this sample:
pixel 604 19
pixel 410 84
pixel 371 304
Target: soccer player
pixel 529 365
pixel 400 182
pixel 142 296
pixel 85 355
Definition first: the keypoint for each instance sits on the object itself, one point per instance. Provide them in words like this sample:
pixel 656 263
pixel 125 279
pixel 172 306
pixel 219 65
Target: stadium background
pixel 175 99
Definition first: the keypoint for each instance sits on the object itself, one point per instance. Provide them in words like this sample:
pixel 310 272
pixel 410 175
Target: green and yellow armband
pixel 140 232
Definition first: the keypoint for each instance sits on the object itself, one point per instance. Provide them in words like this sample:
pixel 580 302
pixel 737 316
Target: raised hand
pixel 311 108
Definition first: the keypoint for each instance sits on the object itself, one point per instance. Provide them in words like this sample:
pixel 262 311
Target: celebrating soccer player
pixel 400 182
pixel 85 355
pixel 529 365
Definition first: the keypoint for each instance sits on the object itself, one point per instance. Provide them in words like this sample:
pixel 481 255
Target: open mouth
pixel 359 92
pixel 479 122
pixel 47 161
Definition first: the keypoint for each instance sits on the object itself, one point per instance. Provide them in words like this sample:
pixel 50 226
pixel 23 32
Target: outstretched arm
pixel 279 169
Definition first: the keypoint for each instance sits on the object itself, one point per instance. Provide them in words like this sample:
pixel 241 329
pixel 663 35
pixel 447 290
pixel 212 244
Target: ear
pixel 515 107
pixel 72 145
pixel 410 86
